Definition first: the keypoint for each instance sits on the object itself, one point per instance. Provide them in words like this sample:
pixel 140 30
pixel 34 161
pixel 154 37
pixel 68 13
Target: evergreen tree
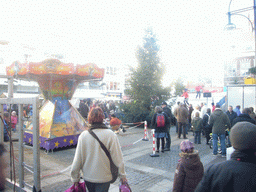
pixel 145 83
pixel 179 87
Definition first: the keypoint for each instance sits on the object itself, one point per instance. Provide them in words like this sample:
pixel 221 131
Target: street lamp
pixel 231 26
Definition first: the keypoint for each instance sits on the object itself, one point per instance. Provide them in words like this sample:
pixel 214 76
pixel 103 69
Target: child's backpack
pixel 160 120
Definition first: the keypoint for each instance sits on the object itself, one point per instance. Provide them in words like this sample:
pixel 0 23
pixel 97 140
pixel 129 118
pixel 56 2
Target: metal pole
pixel 10 95
pixel 254 8
pixel 36 145
pixel 21 148
pixel 1 124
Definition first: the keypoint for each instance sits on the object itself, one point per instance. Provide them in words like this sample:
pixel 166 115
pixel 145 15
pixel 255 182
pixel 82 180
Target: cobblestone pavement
pixel 144 173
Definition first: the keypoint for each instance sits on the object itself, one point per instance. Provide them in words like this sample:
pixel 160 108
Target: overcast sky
pixel 190 32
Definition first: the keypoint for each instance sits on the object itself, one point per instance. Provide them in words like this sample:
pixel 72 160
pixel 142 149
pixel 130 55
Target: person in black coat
pixel 83 109
pixel 239 173
pixel 231 114
pixel 206 125
pixel 168 112
pixel 244 116
pixel 160 131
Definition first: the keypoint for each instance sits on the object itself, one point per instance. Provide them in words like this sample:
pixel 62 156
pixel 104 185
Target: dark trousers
pixel 207 136
pixel 197 137
pixel 158 143
pixel 186 102
pixel 177 126
pixel 168 139
pixel 182 128
pixel 97 187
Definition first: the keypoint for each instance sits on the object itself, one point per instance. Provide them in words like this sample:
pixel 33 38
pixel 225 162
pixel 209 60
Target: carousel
pixel 60 123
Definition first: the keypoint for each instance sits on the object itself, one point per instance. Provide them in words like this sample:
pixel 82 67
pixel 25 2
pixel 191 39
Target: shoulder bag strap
pixel 102 146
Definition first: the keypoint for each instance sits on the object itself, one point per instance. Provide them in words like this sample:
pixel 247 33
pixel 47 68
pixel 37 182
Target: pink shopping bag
pixel 124 187
pixel 80 188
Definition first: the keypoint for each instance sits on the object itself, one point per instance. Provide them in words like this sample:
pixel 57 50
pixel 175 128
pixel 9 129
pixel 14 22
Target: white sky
pixel 190 32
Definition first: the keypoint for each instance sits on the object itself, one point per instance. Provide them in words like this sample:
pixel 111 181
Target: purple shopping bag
pixel 124 187
pixel 80 188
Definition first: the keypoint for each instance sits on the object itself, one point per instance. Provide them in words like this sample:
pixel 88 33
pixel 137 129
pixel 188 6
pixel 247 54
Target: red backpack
pixel 160 120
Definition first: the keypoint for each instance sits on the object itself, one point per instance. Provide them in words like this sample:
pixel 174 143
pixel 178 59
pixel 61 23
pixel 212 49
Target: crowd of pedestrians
pixel 235 126
pixel 236 174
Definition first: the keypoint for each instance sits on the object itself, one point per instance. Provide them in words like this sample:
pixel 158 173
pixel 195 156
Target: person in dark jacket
pixel 6 126
pixel 244 116
pixel 83 109
pixel 160 132
pixel 190 110
pixel 189 171
pixel 239 173
pixel 181 114
pixel 219 122
pixel 252 115
pixel 231 114
pixel 197 125
pixel 168 112
pixel 206 126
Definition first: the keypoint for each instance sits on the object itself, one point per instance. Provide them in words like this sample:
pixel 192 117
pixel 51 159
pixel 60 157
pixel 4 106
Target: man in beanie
pixel 219 122
pixel 190 170
pixel 239 173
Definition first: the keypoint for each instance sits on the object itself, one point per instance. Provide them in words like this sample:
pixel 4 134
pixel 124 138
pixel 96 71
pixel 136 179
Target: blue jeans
pixel 222 143
pixel 197 137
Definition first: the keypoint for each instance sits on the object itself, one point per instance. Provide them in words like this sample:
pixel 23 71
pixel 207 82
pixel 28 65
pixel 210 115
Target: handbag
pixel 113 167
pixel 80 188
pixel 124 187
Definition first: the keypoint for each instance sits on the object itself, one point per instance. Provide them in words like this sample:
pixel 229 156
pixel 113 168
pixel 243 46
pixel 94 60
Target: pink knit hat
pixel 187 146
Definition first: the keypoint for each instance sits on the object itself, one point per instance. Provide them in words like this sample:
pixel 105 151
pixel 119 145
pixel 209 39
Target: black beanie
pixel 243 136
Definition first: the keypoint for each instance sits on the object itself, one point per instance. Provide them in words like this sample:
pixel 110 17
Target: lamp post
pixel 231 26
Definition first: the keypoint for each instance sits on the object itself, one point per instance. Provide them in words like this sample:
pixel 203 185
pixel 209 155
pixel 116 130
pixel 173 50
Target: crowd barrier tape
pixel 133 123
pixel 135 126
pixel 58 172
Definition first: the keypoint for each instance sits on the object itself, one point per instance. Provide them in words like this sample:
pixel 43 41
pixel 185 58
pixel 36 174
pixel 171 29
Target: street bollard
pixel 154 145
pixel 145 131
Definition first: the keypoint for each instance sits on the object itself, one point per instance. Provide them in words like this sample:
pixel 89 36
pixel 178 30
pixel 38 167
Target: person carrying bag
pixel 93 160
